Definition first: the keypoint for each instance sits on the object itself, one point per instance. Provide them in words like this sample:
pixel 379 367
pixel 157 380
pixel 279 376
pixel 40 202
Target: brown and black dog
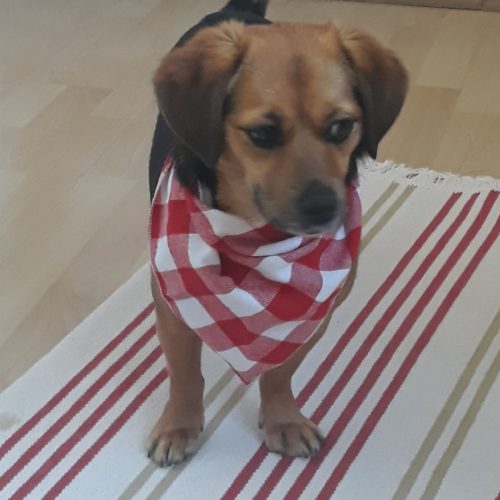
pixel 264 115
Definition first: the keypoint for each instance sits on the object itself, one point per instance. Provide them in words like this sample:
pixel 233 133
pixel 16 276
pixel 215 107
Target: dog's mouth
pixel 292 228
pixel 311 218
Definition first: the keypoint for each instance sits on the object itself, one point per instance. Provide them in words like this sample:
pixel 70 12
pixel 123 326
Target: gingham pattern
pixel 252 294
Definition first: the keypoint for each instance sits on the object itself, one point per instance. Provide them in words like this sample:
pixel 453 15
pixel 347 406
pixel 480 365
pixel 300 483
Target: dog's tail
pixel 255 6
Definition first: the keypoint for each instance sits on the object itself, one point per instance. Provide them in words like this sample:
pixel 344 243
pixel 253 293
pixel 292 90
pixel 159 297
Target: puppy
pixel 255 220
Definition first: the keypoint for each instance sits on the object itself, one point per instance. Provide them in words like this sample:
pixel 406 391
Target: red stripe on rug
pixel 370 340
pixel 73 382
pixel 108 434
pixel 254 463
pixel 410 360
pixel 401 333
pixel 87 425
pixel 76 407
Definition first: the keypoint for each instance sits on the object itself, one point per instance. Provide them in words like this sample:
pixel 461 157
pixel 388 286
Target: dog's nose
pixel 316 204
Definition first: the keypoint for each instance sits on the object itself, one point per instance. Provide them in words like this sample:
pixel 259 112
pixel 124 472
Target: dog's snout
pixel 317 204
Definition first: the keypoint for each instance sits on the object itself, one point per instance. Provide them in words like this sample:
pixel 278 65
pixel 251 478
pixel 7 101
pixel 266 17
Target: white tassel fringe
pixel 403 174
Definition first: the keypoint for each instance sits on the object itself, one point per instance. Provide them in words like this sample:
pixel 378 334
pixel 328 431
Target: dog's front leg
pixel 286 430
pixel 176 433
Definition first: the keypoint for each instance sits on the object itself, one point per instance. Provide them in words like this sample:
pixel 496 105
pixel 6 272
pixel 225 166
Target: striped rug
pixel 404 383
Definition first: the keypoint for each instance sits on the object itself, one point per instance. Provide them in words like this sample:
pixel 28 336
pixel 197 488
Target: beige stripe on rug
pixel 404 384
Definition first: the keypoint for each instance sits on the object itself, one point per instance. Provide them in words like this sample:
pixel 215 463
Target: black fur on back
pixel 258 7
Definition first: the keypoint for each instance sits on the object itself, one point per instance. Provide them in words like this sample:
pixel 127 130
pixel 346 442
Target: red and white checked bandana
pixel 252 294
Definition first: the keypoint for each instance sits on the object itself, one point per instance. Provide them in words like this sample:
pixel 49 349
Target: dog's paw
pixel 172 447
pixel 295 439
pixel 175 436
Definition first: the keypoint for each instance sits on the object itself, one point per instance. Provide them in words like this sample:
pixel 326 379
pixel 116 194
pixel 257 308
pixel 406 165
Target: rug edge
pixel 105 305
pixel 405 174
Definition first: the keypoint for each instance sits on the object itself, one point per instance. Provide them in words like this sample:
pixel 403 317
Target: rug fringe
pixel 425 176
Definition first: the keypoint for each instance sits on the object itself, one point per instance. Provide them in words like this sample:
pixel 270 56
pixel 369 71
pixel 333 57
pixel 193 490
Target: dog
pixel 261 126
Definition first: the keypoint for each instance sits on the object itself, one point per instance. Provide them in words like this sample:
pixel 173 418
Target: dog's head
pixel 280 112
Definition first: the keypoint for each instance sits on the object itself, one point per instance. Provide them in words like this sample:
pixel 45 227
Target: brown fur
pixel 300 76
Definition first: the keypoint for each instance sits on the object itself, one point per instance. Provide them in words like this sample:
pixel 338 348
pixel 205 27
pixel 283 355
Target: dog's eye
pixel 266 137
pixel 339 131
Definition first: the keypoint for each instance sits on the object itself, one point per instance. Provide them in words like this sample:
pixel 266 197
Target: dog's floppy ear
pixel 191 85
pixel 380 82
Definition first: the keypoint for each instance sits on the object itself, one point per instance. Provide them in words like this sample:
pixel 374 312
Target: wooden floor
pixel 76 119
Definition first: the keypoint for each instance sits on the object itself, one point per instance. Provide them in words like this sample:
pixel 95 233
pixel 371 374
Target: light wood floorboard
pixel 76 120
